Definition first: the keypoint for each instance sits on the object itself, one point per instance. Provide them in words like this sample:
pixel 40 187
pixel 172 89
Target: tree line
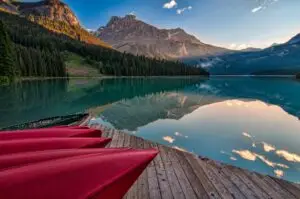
pixel 37 52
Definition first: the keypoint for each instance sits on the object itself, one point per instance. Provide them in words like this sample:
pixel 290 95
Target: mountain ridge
pixel 140 38
pixel 280 59
pixel 53 15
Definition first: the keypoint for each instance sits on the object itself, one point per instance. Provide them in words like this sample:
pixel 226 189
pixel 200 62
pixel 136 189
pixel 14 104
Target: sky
pixel 234 24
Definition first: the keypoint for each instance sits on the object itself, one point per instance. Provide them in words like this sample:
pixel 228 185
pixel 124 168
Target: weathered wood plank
pixel 142 183
pixel 163 182
pixel 247 186
pixel 264 186
pixel 183 180
pixel 189 172
pixel 154 190
pixel 214 180
pixel 280 190
pixel 207 185
pixel 133 191
pixel 115 138
pixel 121 139
pixel 126 140
pixel 109 135
pixel 170 173
pixel 288 186
pixel 231 187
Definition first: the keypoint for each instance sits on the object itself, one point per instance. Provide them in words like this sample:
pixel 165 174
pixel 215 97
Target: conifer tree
pixel 7 59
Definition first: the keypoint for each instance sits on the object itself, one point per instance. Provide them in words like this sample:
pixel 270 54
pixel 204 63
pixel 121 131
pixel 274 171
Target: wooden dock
pixel 180 175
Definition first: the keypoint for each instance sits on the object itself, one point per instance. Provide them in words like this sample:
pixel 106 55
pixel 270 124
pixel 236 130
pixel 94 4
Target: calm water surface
pixel 252 123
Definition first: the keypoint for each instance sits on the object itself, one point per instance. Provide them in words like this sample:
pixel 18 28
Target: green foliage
pixel 32 36
pixel 4 80
pixel 7 58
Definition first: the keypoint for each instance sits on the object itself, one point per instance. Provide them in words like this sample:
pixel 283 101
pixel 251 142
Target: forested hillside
pixel 38 53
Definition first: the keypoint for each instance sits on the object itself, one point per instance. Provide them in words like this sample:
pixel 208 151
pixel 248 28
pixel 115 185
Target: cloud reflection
pixel 246 154
pixel 169 139
pixel 180 135
pixel 251 156
pixel 291 157
pixel 268 147
pixel 279 173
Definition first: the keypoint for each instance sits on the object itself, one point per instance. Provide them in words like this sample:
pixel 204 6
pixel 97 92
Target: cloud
pixel 170 4
pixel 254 10
pixel 180 11
pixel 169 139
pixel 291 157
pixel 263 4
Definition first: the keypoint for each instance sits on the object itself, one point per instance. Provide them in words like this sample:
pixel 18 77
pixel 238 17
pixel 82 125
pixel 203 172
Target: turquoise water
pixel 252 123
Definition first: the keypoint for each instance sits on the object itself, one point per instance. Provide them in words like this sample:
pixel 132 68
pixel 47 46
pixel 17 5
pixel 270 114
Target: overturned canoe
pixel 20 159
pixel 91 176
pixel 52 121
pixel 27 145
pixel 49 133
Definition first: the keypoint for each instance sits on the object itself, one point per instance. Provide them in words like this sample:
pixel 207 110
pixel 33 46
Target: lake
pixel 251 123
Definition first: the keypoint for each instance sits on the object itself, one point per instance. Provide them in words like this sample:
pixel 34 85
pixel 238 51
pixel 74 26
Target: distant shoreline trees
pixel 38 52
pixel 7 59
pixel 298 76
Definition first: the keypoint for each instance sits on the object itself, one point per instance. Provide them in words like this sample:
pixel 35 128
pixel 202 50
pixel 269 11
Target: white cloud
pixel 180 11
pixel 170 4
pixel 263 4
pixel 256 9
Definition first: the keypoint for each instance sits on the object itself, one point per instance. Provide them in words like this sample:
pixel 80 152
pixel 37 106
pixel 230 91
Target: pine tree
pixel 7 59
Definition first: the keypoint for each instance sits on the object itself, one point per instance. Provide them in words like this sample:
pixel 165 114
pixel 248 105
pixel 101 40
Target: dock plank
pixel 207 185
pixel 215 180
pixel 172 178
pixel 248 188
pixel 182 178
pixel 163 182
pixel 229 184
pixel 190 174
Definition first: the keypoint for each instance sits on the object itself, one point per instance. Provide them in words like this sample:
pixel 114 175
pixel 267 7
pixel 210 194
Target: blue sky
pixel 229 23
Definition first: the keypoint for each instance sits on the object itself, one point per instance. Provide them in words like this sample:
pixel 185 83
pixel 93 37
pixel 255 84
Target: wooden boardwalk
pixel 180 175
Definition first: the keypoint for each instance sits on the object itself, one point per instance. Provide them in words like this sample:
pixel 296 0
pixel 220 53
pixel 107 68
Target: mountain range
pixel 137 37
pixel 280 59
pixel 131 35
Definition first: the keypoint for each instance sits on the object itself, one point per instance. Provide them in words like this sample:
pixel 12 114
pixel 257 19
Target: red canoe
pixel 89 176
pixel 27 145
pixel 21 159
pixel 72 127
pixel 49 133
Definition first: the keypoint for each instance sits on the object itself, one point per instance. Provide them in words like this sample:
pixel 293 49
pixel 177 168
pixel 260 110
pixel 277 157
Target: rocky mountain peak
pixel 52 9
pixel 137 37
